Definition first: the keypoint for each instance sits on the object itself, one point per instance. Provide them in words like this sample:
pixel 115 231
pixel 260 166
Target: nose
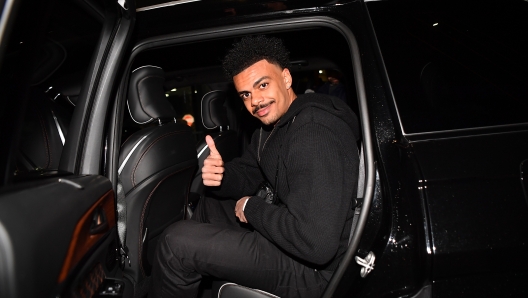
pixel 257 100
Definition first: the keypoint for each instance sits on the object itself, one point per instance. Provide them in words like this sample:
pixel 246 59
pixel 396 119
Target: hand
pixel 213 168
pixel 239 209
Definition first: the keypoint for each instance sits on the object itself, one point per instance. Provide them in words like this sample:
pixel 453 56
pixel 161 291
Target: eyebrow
pixel 257 82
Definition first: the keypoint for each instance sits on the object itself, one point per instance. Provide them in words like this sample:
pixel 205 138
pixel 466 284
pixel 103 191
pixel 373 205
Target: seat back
pixel 45 130
pixel 214 118
pixel 156 165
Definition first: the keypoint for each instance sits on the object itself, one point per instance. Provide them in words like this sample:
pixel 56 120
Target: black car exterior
pixel 440 87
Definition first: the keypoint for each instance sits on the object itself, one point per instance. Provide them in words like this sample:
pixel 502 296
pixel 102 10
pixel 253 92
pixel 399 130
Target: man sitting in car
pixel 306 151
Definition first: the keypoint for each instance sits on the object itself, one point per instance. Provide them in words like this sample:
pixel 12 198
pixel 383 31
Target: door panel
pixel 478 212
pixel 48 224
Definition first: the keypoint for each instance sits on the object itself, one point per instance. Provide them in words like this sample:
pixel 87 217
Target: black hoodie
pixel 314 148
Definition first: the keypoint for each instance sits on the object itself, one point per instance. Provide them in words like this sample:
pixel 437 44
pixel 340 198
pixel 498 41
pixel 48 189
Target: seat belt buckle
pixel 124 257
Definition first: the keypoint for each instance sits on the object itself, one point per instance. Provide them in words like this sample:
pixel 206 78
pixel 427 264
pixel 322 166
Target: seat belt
pixel 360 193
pixel 368 262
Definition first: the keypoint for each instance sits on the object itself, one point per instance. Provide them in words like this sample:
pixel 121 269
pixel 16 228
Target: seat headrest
pixel 146 95
pixel 214 113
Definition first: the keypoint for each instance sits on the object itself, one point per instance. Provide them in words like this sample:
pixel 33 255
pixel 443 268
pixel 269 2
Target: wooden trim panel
pixel 83 240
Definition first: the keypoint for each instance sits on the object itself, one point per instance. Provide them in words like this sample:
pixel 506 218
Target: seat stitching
pixel 133 174
pixel 46 140
pixel 141 222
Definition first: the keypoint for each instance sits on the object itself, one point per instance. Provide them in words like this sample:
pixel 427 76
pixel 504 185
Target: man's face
pixel 265 89
pixel 333 80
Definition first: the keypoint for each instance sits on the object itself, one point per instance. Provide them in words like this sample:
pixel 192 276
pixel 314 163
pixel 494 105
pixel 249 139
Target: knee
pixel 177 236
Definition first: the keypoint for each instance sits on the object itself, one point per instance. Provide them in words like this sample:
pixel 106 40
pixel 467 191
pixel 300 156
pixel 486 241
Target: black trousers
pixel 214 243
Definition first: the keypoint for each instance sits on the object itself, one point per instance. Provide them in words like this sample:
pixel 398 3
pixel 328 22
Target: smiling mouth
pixel 262 110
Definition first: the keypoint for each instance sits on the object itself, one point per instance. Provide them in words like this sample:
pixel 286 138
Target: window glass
pixel 455 65
pixel 47 65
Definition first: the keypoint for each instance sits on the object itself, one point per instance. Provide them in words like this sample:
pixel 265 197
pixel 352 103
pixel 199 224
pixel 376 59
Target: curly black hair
pixel 251 49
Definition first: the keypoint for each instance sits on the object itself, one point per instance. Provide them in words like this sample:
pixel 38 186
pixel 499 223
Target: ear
pixel 287 78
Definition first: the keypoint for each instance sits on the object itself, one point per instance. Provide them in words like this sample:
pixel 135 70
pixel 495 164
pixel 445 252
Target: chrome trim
pixel 256 290
pixel 61 135
pixel 68 98
pixel 465 129
pixel 202 151
pixel 172 3
pixel 6 13
pixel 130 154
pixel 147 66
pixel 8 269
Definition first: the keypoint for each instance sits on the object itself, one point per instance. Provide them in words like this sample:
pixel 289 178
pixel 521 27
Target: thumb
pixel 212 147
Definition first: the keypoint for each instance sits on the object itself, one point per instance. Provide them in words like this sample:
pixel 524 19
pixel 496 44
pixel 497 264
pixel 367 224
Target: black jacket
pixel 314 147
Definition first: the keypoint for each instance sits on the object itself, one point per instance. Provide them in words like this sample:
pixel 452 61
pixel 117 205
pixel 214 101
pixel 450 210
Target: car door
pixel 458 81
pixel 57 207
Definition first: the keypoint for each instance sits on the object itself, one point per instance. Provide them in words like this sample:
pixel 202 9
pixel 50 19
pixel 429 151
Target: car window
pixel 59 58
pixel 455 66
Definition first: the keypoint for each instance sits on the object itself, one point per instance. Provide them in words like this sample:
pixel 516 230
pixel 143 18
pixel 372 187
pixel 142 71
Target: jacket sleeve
pixel 321 179
pixel 242 174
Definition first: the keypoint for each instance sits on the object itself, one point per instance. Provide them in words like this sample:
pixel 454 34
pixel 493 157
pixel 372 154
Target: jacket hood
pixel 330 104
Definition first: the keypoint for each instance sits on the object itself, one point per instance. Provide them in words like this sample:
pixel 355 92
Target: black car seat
pixel 156 165
pixel 215 119
pixel 44 133
pixel 46 122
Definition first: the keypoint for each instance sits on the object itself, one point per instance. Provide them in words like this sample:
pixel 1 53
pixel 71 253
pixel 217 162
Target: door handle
pixel 99 222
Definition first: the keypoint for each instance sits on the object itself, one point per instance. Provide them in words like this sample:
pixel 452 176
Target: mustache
pixel 261 106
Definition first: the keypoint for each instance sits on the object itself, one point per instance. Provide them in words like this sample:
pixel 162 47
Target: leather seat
pixel 214 118
pixel 45 130
pixel 46 122
pixel 156 165
pixel 231 290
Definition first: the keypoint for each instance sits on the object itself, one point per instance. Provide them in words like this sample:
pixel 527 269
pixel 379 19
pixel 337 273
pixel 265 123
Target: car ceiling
pixel 201 62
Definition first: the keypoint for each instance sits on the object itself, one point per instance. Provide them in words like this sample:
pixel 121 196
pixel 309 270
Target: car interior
pixel 190 77
pixel 175 96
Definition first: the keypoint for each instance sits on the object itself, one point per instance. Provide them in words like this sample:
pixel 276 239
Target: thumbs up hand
pixel 213 168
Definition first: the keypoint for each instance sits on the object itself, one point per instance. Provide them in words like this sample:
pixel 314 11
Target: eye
pixel 245 95
pixel 264 85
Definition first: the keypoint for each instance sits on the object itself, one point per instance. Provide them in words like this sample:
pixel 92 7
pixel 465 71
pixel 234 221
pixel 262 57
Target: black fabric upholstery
pixel 231 290
pixel 214 112
pixel 156 165
pixel 146 95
